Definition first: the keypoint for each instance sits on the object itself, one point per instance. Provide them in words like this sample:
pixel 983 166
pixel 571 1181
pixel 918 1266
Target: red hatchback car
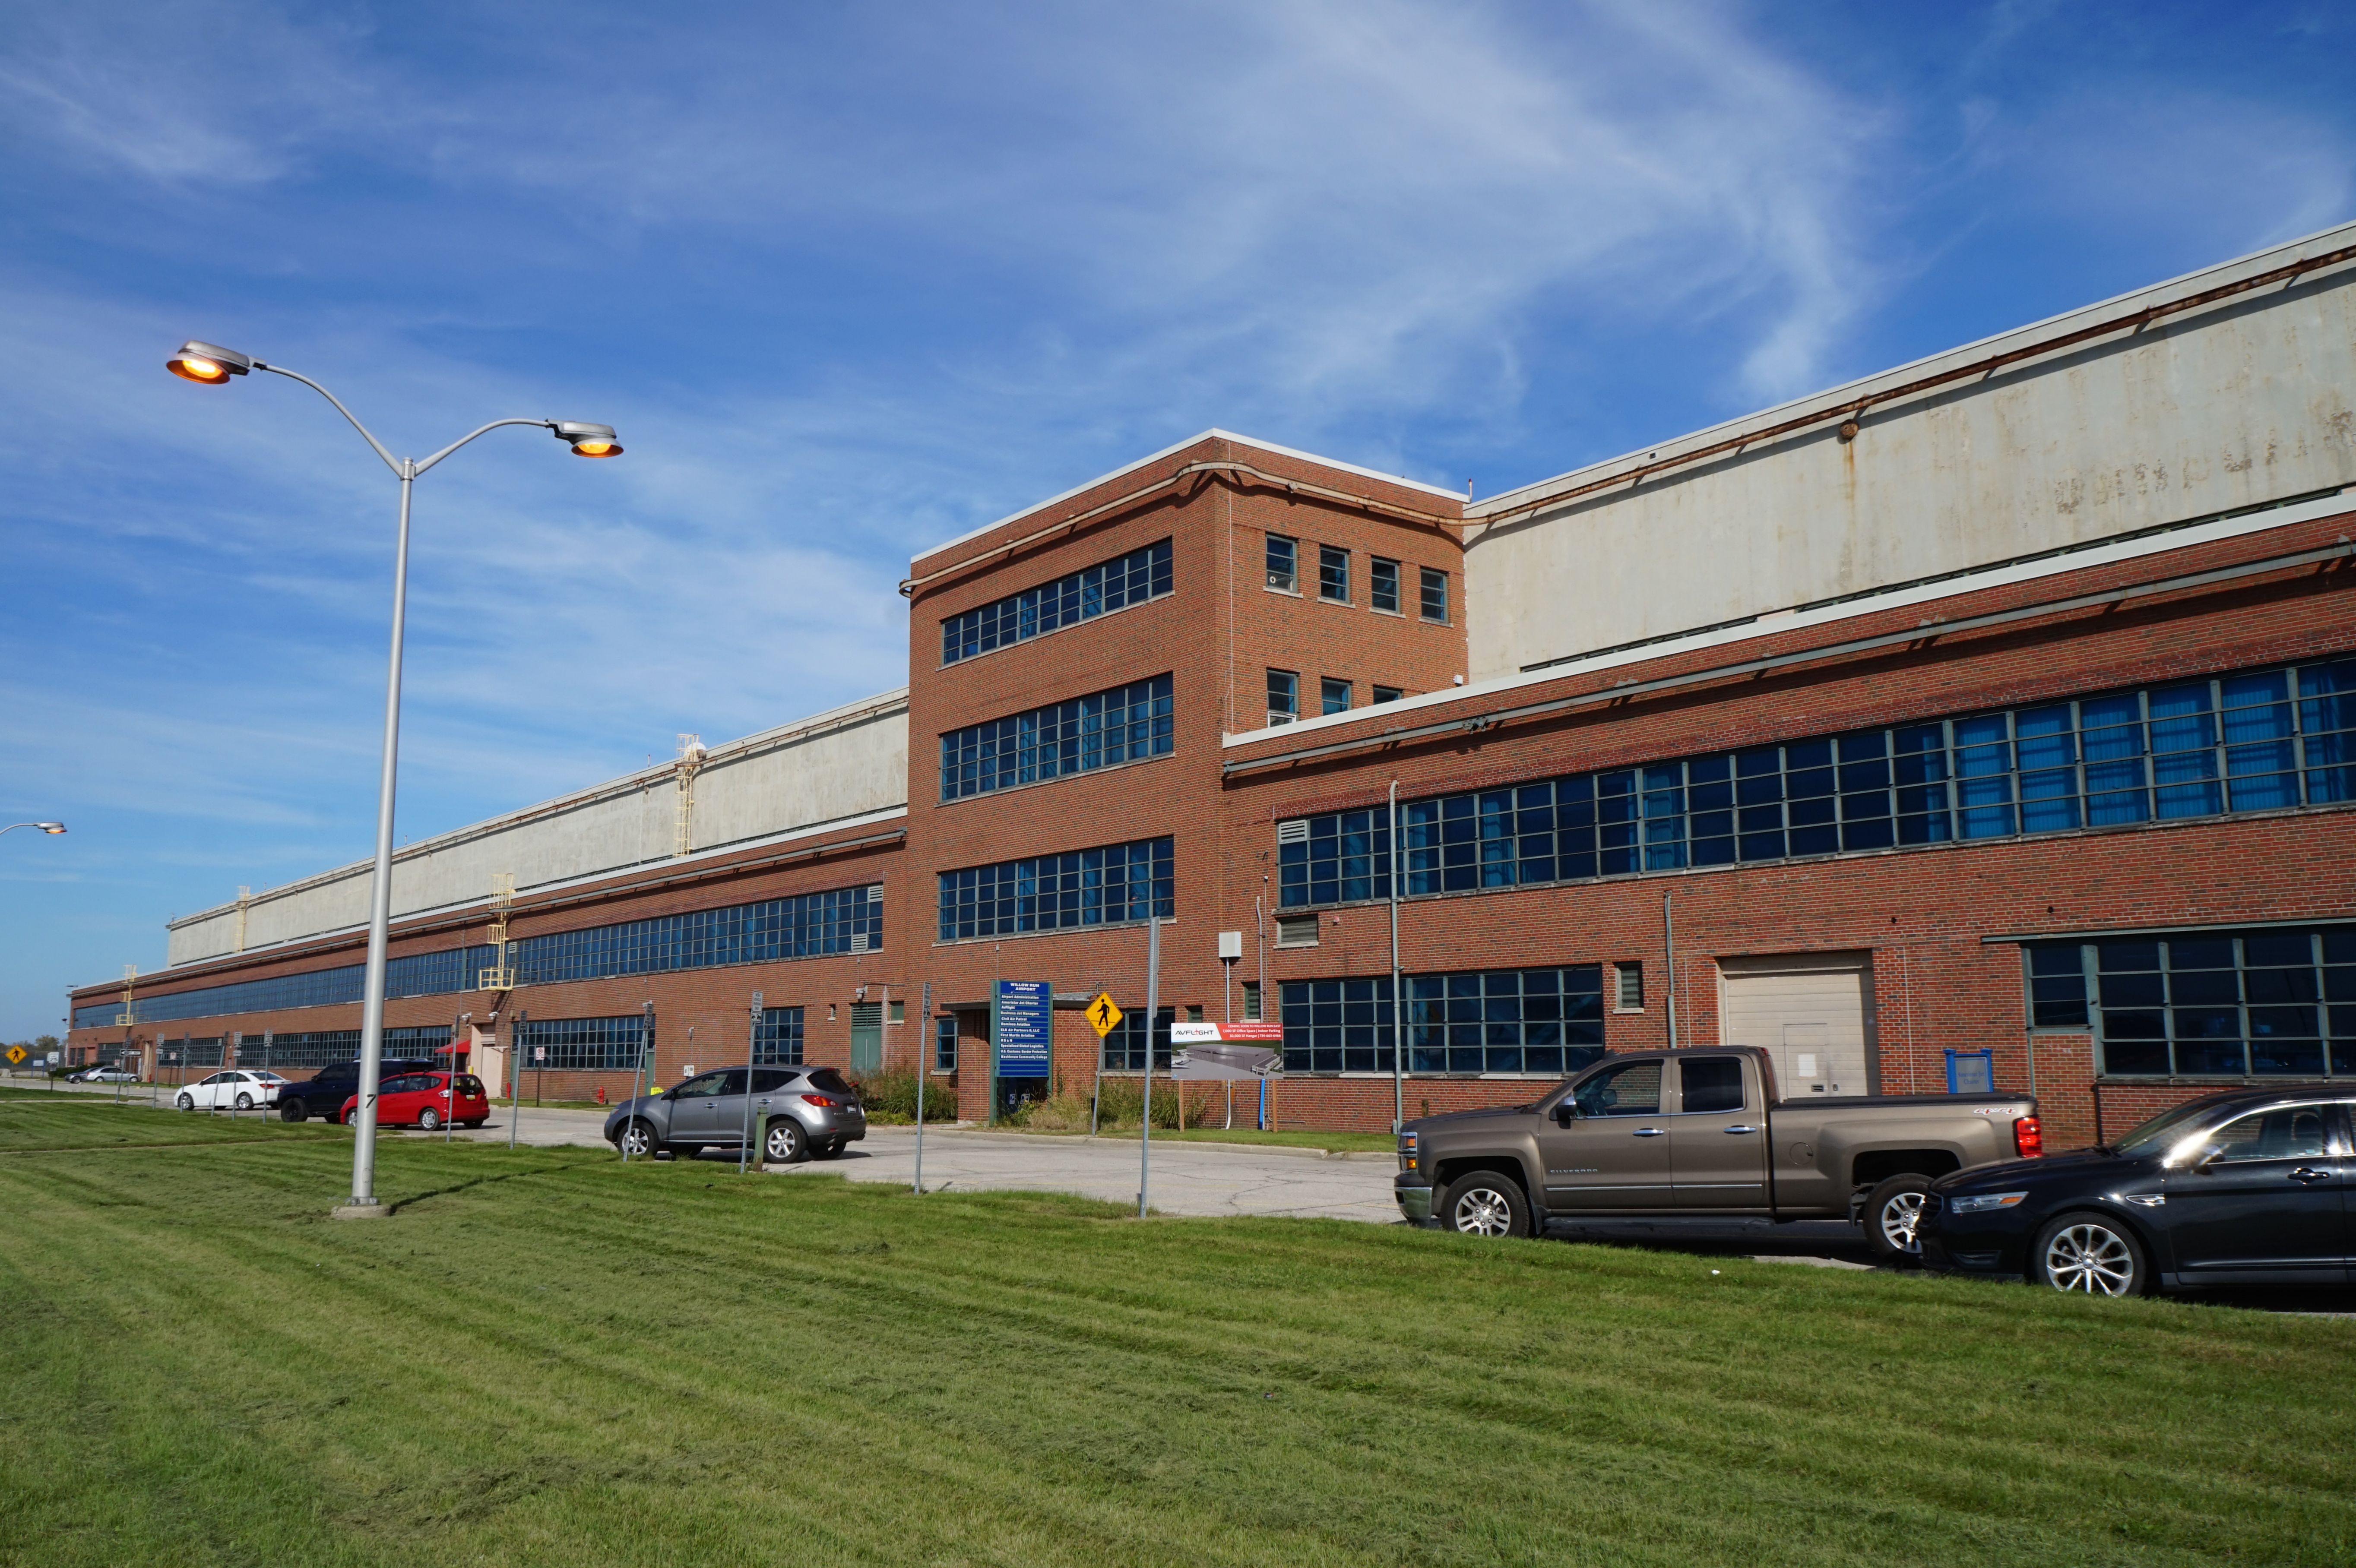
pixel 424 1100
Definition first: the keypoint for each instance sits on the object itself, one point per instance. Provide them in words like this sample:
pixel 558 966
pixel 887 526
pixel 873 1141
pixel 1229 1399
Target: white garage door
pixel 1811 1012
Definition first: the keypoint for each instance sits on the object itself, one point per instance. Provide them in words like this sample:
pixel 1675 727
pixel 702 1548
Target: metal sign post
pixel 1152 1001
pixel 752 1055
pixel 923 1071
pixel 236 1051
pixel 1104 1016
pixel 515 1073
pixel 646 1049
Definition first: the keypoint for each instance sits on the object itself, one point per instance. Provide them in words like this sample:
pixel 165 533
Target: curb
pixel 1034 1140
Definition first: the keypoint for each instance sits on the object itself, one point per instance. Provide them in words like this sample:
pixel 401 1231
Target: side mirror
pixel 1565 1112
pixel 2208 1157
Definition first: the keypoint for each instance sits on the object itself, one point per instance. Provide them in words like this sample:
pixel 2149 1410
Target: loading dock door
pixel 1811 1012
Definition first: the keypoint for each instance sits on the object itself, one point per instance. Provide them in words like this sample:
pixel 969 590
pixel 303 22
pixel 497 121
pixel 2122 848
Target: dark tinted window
pixel 732 1081
pixel 1712 1083
pixel 470 1084
pixel 1633 1090
pixel 767 1078
pixel 696 1088
pixel 826 1081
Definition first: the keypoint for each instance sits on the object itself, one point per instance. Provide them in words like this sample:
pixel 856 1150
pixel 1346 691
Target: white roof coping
pixel 2052 327
pixel 1214 432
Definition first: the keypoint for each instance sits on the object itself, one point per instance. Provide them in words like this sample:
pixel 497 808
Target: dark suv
pixel 2242 1187
pixel 324 1094
pixel 791 1114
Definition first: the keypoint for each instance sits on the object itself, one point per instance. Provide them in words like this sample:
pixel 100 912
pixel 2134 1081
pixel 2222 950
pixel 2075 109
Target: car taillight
pixel 821 1100
pixel 2028 1137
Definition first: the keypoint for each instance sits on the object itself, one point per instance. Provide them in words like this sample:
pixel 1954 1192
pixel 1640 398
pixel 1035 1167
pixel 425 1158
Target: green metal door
pixel 866 1037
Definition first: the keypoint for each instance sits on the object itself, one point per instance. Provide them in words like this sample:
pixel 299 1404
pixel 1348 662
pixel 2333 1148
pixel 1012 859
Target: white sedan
pixel 243 1091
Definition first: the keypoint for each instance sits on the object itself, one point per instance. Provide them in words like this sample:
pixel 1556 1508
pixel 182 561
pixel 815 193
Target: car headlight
pixel 1985 1200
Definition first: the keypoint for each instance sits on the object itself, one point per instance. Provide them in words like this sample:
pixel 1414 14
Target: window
pixel 777 1038
pixel 1526 1020
pixel 1124 1047
pixel 2290 1132
pixel 1338 1025
pixel 1134 579
pixel 418 974
pixel 1053 892
pixel 1710 1084
pixel 1125 724
pixel 1388 694
pixel 1283 563
pixel 1383 576
pixel 2255 1004
pixel 1251 1001
pixel 945 1043
pixel 1332 574
pixel 578 1045
pixel 848 920
pixel 1283 697
pixel 1435 595
pixel 1631 980
pixel 899 1012
pixel 321 1048
pixel 1333 696
pixel 2197 747
pixel 1631 1091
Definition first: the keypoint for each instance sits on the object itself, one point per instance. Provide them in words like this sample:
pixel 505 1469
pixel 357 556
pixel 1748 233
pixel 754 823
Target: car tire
pixel 472 1125
pixel 784 1143
pixel 636 1139
pixel 429 1120
pixel 185 1101
pixel 1893 1217
pixel 293 1111
pixel 2092 1254
pixel 1484 1204
pixel 245 1102
pixel 830 1149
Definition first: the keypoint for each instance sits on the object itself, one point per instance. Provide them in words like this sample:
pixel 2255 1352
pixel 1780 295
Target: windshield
pixel 2146 1138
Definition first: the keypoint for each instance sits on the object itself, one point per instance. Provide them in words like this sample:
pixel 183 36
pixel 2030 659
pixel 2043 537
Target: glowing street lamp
pixel 49 827
pixel 208 364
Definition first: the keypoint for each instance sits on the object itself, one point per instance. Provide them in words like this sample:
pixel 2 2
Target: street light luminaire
pixel 208 363
pixel 587 440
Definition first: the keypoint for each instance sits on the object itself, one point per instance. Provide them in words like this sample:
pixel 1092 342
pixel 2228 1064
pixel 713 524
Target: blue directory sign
pixel 1025 1027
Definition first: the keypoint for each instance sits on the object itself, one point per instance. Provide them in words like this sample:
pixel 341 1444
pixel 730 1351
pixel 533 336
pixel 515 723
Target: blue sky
pixel 853 279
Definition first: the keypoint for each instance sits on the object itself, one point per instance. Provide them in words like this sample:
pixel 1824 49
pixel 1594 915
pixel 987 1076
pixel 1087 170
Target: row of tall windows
pixel 1051 892
pixel 843 920
pixel 811 925
pixel 419 975
pixel 1126 724
pixel 1334 693
pixel 1131 579
pixel 1125 1043
pixel 2243 742
pixel 1504 1021
pixel 1282 557
pixel 2256 1004
pixel 581 1045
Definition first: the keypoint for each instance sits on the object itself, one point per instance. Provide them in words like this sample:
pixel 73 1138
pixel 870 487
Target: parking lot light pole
pixel 210 365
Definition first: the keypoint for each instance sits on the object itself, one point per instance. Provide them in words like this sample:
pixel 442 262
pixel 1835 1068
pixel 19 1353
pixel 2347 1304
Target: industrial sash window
pixel 2255 741
pixel 1134 578
pixel 2205 1004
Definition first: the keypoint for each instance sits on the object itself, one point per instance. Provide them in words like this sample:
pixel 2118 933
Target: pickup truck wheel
pixel 185 1101
pixel 293 1111
pixel 1486 1204
pixel 1892 1213
pixel 2092 1254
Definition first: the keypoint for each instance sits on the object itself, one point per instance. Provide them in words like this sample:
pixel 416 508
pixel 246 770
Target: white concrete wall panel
pixel 850 763
pixel 2228 405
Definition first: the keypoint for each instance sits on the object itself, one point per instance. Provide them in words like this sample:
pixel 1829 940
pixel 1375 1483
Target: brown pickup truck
pixel 1700 1135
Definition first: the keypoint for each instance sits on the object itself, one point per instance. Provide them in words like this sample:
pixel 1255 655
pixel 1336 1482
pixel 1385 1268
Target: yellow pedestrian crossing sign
pixel 1103 1015
pixel 16 1054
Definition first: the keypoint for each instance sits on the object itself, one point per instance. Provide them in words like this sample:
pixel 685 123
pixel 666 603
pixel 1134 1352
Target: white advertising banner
pixel 1249 1051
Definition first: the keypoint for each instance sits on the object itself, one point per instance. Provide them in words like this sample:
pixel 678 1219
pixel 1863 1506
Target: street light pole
pixel 210 365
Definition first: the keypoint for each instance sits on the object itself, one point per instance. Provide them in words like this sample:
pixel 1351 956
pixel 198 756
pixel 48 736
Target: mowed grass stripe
pixel 654 1368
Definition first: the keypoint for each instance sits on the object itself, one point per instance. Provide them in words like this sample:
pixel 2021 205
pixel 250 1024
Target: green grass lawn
pixel 547 1358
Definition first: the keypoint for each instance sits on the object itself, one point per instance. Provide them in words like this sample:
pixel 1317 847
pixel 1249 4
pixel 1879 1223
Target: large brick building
pixel 1992 719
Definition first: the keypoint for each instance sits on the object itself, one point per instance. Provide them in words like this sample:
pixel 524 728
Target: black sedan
pixel 2242 1187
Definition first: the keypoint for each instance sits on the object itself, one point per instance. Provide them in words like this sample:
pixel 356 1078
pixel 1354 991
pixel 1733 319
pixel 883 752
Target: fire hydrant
pixel 601 1094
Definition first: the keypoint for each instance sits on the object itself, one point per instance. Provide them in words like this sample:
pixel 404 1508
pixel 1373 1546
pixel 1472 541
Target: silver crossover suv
pixel 791 1114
